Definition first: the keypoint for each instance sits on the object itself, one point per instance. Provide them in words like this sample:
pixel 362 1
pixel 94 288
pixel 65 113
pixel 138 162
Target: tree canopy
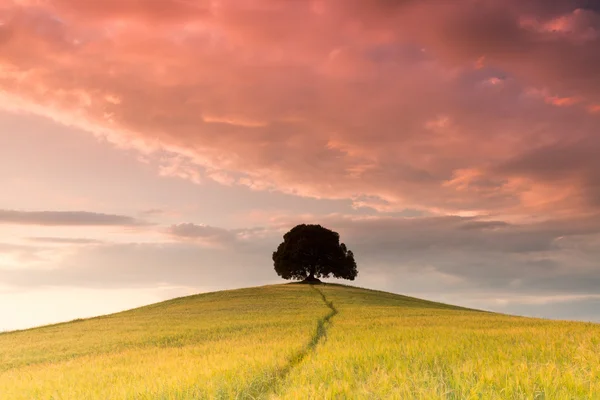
pixel 311 251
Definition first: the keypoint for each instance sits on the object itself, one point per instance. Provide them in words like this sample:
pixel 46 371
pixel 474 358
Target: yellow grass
pixel 302 342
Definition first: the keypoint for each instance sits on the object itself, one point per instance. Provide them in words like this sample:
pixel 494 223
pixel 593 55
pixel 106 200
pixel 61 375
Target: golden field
pixel 299 341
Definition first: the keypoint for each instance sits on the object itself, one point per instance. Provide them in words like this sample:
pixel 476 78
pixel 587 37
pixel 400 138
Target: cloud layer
pixel 65 218
pixel 479 118
pixel 534 268
pixel 457 254
pixel 472 106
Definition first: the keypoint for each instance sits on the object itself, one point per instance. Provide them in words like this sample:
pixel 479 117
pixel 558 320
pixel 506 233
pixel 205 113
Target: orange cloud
pixel 594 108
pixel 563 101
pixel 340 99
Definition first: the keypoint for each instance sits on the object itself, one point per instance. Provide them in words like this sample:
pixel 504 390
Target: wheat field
pixel 302 342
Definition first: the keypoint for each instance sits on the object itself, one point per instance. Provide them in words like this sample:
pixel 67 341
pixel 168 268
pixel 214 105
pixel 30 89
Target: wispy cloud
pixel 66 218
pixel 64 240
pixel 208 235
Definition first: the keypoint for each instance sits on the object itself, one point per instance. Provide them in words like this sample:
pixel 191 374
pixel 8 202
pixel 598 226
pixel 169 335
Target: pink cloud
pixel 563 101
pixel 594 108
pixel 341 99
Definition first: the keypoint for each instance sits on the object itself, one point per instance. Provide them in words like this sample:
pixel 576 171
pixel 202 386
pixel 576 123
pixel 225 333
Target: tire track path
pixel 261 390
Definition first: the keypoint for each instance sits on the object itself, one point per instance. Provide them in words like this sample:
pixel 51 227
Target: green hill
pixel 301 342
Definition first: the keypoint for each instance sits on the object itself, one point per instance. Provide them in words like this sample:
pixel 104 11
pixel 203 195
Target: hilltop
pixel 301 341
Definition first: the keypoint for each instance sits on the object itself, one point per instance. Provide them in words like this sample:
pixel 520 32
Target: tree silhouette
pixel 311 251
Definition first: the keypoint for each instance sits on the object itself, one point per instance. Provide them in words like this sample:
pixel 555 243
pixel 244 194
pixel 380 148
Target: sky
pixel 151 149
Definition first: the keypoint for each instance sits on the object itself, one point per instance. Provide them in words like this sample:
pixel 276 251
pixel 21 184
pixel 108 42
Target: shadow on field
pixel 261 387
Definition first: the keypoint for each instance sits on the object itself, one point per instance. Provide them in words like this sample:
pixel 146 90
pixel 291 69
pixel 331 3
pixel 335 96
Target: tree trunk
pixel 311 279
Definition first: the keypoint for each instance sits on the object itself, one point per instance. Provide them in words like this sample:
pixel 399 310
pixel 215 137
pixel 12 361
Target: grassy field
pixel 302 342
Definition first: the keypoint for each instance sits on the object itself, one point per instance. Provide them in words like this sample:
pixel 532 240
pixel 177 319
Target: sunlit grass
pixel 383 347
pixel 285 342
pixel 216 345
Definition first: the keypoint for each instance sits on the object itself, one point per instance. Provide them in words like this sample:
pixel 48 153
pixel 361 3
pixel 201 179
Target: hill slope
pixel 299 342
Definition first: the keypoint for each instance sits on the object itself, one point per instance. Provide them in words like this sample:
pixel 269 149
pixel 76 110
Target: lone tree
pixel 310 252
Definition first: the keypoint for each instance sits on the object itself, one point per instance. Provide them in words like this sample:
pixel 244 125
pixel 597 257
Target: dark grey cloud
pixel 66 218
pixel 545 257
pixel 589 5
pixel 463 260
pixel 553 256
pixel 467 233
